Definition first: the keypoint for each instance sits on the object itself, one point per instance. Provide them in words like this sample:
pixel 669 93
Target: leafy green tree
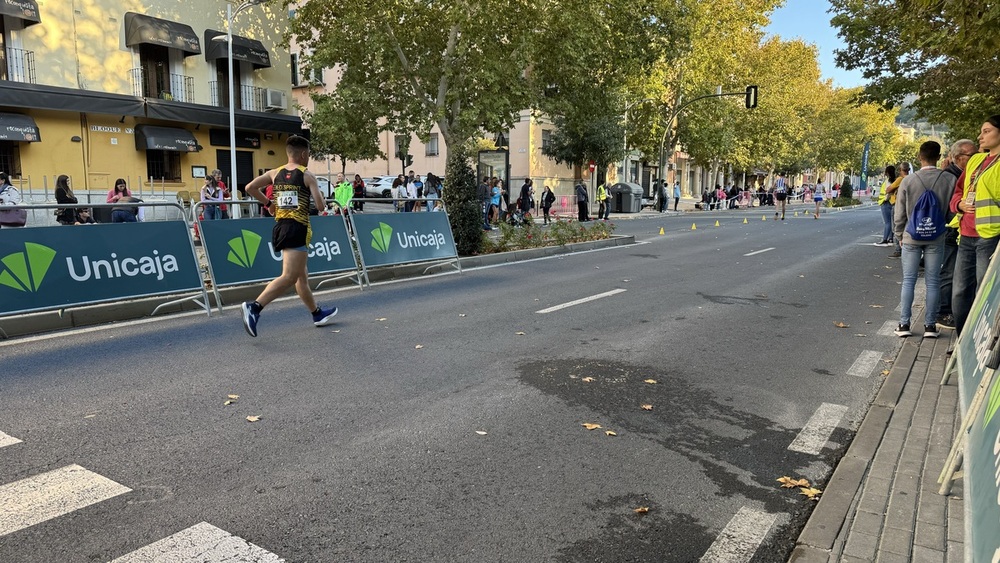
pixel 581 140
pixel 338 128
pixel 459 196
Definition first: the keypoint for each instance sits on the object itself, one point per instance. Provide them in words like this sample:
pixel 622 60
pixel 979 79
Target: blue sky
pixel 809 20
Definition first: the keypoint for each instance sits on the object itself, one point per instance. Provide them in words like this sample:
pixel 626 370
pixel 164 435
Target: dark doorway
pixel 222 78
pixel 155 61
pixel 244 169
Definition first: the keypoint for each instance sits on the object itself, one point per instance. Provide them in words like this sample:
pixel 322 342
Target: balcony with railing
pixel 176 87
pixel 250 98
pixel 19 66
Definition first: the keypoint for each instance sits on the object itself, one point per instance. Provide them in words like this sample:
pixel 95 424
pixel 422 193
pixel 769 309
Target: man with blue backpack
pixel 921 215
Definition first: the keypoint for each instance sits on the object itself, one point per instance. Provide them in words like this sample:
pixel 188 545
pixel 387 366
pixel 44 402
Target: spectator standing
pixel 64 194
pixel 416 192
pixel 677 194
pixel 581 203
pixel 398 191
pixel 602 202
pixel 548 198
pixel 886 199
pixel 958 158
pixel 9 195
pixel 928 179
pixel 343 192
pixel 358 202
pixel 904 171
pixel 496 194
pixel 119 191
pixel 211 196
pixel 223 212
pixel 979 181
pixel 526 199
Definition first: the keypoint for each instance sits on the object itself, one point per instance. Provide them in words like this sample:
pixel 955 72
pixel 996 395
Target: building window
pixel 10 158
pixel 546 139
pixel 163 165
pixel 432 145
pixel 295 69
pixel 298 72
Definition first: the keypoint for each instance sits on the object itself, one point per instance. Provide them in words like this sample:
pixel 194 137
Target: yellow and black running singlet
pixel 291 195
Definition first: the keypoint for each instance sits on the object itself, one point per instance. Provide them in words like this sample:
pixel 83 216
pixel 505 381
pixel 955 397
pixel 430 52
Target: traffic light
pixel 409 160
pixel 751 100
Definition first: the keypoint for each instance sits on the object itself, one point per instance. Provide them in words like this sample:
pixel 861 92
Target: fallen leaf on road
pixel 572 376
pixel 647 407
pixel 233 397
pixel 591 426
pixel 801 276
pixel 481 432
pixel 878 306
pixel 650 381
pixel 788 482
pixel 227 403
pixel 90 416
pixel 381 319
pixel 811 493
pixel 861 335
pixel 587 379
pixel 839 324
pixel 519 333
pixel 335 331
pixel 609 433
pixel 253 418
pixel 641 510
pixel 885 372
pixel 419 346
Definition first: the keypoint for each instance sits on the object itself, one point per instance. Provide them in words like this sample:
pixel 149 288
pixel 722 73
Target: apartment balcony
pixel 19 66
pixel 176 87
pixel 249 98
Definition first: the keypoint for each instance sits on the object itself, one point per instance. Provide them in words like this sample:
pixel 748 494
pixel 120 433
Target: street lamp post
pixel 230 14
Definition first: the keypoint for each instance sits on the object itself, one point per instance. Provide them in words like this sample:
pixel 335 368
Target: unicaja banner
pixel 977 351
pixel 240 250
pixel 398 238
pixel 52 267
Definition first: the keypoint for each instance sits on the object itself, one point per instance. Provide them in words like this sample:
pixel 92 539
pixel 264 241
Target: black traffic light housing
pixel 409 160
pixel 751 101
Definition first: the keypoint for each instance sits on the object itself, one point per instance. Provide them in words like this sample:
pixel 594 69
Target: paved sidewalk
pixel 881 503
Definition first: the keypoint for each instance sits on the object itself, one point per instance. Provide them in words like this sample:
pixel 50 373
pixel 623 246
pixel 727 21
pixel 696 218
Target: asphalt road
pixel 441 419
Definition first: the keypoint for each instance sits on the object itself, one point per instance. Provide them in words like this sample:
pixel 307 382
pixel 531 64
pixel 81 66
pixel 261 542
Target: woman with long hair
pixel 120 190
pixel 885 202
pixel 64 194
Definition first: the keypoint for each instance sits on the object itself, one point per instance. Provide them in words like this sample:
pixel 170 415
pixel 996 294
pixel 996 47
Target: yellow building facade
pixel 106 89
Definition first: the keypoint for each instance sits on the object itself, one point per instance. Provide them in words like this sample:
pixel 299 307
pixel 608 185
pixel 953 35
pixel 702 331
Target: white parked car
pixel 379 186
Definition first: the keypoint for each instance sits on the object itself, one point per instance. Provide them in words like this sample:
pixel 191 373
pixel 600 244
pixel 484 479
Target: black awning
pixel 141 29
pixel 36 96
pixel 151 137
pixel 211 115
pixel 18 127
pixel 24 10
pixel 244 49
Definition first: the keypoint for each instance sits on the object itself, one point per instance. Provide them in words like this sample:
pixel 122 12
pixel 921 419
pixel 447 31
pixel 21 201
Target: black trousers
pixel 582 213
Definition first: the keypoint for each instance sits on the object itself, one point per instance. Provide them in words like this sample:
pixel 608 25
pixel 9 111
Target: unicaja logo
pixel 993 404
pixel 243 249
pixel 24 271
pixel 382 238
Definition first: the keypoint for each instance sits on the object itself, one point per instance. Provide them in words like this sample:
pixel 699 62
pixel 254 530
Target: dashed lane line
pixel 741 537
pixel 866 362
pixel 759 252
pixel 581 301
pixel 201 542
pixel 816 433
pixel 36 499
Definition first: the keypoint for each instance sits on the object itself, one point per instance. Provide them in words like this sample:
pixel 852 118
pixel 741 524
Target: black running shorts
pixel 780 196
pixel 289 234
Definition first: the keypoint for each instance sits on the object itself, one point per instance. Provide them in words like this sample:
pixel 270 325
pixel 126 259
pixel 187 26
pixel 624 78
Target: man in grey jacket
pixel 928 178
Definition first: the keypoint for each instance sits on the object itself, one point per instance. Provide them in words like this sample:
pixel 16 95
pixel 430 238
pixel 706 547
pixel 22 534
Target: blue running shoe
pixel 324 316
pixel 251 314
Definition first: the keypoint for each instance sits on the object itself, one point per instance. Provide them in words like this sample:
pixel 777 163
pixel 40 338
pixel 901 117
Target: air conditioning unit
pixel 276 100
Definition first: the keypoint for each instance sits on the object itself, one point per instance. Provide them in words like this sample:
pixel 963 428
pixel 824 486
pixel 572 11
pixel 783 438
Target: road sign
pixel 593 166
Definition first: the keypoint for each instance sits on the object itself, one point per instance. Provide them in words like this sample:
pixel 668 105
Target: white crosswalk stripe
pixel 816 433
pixel 36 499
pixel 204 543
pixel 741 537
pixel 866 362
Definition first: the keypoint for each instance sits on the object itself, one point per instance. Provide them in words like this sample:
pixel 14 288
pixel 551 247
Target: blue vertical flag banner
pixel 864 167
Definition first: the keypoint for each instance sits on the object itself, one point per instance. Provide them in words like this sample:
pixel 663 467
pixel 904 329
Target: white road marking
pixel 201 542
pixel 816 433
pixel 580 301
pixel 741 537
pixel 759 251
pixel 866 362
pixel 888 329
pixel 36 499
pixel 6 440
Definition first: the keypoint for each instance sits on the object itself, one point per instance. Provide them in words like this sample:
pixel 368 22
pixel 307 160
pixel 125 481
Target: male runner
pixel 780 194
pixel 294 187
